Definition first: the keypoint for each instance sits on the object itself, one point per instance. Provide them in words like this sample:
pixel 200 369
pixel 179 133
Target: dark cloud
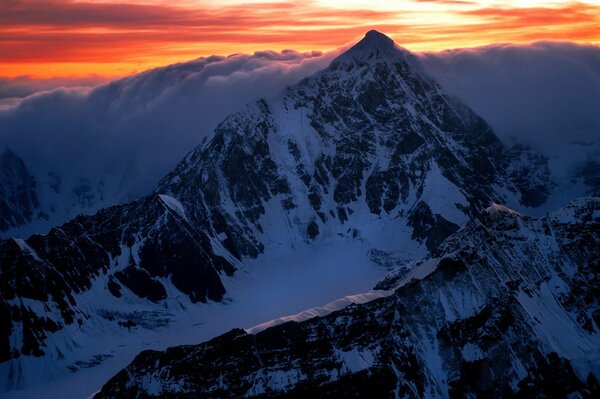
pixel 125 135
pixel 546 95
pixel 122 137
pixel 23 86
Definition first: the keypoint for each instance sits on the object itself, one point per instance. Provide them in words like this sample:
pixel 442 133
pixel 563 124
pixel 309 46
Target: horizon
pixel 108 39
pixel 15 89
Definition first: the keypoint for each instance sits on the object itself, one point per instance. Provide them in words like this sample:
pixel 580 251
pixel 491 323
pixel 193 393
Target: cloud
pixel 23 86
pixel 48 37
pixel 545 95
pixel 572 21
pixel 54 30
pixel 120 138
pixel 449 2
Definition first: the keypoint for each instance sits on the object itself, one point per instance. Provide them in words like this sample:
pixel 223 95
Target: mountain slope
pixel 367 157
pixel 111 145
pixel 366 139
pixel 506 307
pixel 18 196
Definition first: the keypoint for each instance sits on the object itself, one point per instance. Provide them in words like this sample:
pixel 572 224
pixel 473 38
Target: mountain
pixel 90 149
pixel 506 84
pixel 18 196
pixel 363 165
pixel 366 139
pixel 506 307
pixel 32 202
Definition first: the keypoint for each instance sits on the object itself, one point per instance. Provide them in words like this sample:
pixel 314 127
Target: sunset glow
pixel 48 38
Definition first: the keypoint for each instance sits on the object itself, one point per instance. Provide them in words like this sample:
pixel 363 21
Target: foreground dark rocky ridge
pixel 510 308
pixel 368 140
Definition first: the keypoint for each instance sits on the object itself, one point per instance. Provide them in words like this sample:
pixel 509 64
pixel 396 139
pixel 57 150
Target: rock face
pixel 18 197
pixel 137 242
pixel 506 307
pixel 589 172
pixel 368 134
pixel 368 141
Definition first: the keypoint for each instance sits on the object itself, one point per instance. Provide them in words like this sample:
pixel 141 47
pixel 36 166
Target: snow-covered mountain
pixel 18 196
pixel 538 95
pixel 506 307
pixel 94 148
pixel 365 165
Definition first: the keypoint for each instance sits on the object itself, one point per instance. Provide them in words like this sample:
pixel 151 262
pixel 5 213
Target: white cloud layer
pixel 545 95
pixel 122 137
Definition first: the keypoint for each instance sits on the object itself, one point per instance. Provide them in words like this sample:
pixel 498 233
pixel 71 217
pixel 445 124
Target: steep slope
pixel 112 145
pixel 45 272
pixel 507 85
pixel 368 136
pixel 367 157
pixel 506 307
pixel 18 195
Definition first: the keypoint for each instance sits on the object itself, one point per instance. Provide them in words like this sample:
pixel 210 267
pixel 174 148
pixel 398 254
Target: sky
pixel 51 39
pixel 60 114
pixel 124 136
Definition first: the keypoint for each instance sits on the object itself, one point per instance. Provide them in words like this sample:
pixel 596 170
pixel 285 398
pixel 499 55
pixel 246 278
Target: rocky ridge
pixel 506 307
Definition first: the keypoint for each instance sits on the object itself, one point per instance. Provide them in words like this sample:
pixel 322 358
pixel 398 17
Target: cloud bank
pixel 114 143
pixel 545 95
pixel 12 90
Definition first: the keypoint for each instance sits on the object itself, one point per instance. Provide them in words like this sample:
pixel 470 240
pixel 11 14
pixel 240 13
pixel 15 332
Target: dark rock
pixel 18 195
pixel 433 229
pixel 141 284
pixel 460 331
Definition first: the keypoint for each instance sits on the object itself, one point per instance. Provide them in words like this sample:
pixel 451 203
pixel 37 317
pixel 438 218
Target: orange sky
pixel 49 38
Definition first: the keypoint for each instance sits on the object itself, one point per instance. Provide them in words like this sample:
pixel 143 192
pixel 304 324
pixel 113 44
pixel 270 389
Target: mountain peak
pixel 374 41
pixel 375 38
pixel 374 46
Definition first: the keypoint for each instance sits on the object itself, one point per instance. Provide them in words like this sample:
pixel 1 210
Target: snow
pixel 471 352
pixel 174 205
pixel 563 335
pixel 495 209
pixel 427 345
pixel 443 196
pixel 154 386
pixel 566 215
pixel 459 304
pixel 356 360
pixel 321 311
pixel 279 380
pixel 307 276
pixel 26 248
pixel 422 270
